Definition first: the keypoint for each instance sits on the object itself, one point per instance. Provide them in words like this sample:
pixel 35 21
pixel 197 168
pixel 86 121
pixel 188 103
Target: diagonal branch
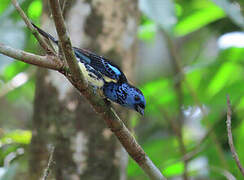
pixel 65 41
pixel 230 137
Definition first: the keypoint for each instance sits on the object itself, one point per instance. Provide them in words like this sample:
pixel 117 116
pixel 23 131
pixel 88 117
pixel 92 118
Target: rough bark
pixel 84 147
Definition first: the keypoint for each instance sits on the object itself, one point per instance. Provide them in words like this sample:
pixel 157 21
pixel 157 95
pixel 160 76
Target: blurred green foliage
pixel 209 78
pixel 209 74
pixel 35 10
pixel 4 5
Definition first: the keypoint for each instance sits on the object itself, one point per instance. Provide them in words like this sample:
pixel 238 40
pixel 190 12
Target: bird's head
pixel 136 100
pixel 125 95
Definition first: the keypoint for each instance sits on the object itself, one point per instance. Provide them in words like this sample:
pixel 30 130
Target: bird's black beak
pixel 140 110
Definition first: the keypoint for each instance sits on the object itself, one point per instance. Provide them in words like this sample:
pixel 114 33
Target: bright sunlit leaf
pixel 174 170
pixel 17 136
pixel 198 19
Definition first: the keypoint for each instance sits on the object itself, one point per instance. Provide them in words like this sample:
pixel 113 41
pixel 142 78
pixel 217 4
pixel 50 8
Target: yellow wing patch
pixel 107 79
pixel 90 77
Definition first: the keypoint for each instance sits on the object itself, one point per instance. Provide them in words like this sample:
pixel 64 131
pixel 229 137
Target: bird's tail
pixel 45 34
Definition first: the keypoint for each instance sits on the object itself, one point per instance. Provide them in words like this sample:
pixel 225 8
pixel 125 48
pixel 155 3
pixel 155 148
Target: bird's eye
pixel 137 98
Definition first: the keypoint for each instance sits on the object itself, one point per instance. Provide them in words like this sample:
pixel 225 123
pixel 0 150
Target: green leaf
pixel 198 19
pixel 233 54
pixel 17 136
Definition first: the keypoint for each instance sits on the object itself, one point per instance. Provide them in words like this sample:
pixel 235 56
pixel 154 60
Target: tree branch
pixel 230 137
pixel 47 61
pixel 65 41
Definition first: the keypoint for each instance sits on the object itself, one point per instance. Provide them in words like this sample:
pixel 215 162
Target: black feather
pixel 45 34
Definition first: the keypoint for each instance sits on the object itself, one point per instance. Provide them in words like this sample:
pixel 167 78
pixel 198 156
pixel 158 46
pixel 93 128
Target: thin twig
pixel 48 61
pixel 230 137
pixel 49 164
pixel 39 38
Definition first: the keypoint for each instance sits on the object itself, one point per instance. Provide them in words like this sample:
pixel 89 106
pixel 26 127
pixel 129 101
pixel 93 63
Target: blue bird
pixel 102 73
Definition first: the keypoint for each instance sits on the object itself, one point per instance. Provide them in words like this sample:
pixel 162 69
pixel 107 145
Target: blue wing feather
pixel 101 64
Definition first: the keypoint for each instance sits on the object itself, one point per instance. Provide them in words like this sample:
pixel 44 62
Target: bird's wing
pixel 109 71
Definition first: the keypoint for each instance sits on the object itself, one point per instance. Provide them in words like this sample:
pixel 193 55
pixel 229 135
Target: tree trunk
pixel 84 147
